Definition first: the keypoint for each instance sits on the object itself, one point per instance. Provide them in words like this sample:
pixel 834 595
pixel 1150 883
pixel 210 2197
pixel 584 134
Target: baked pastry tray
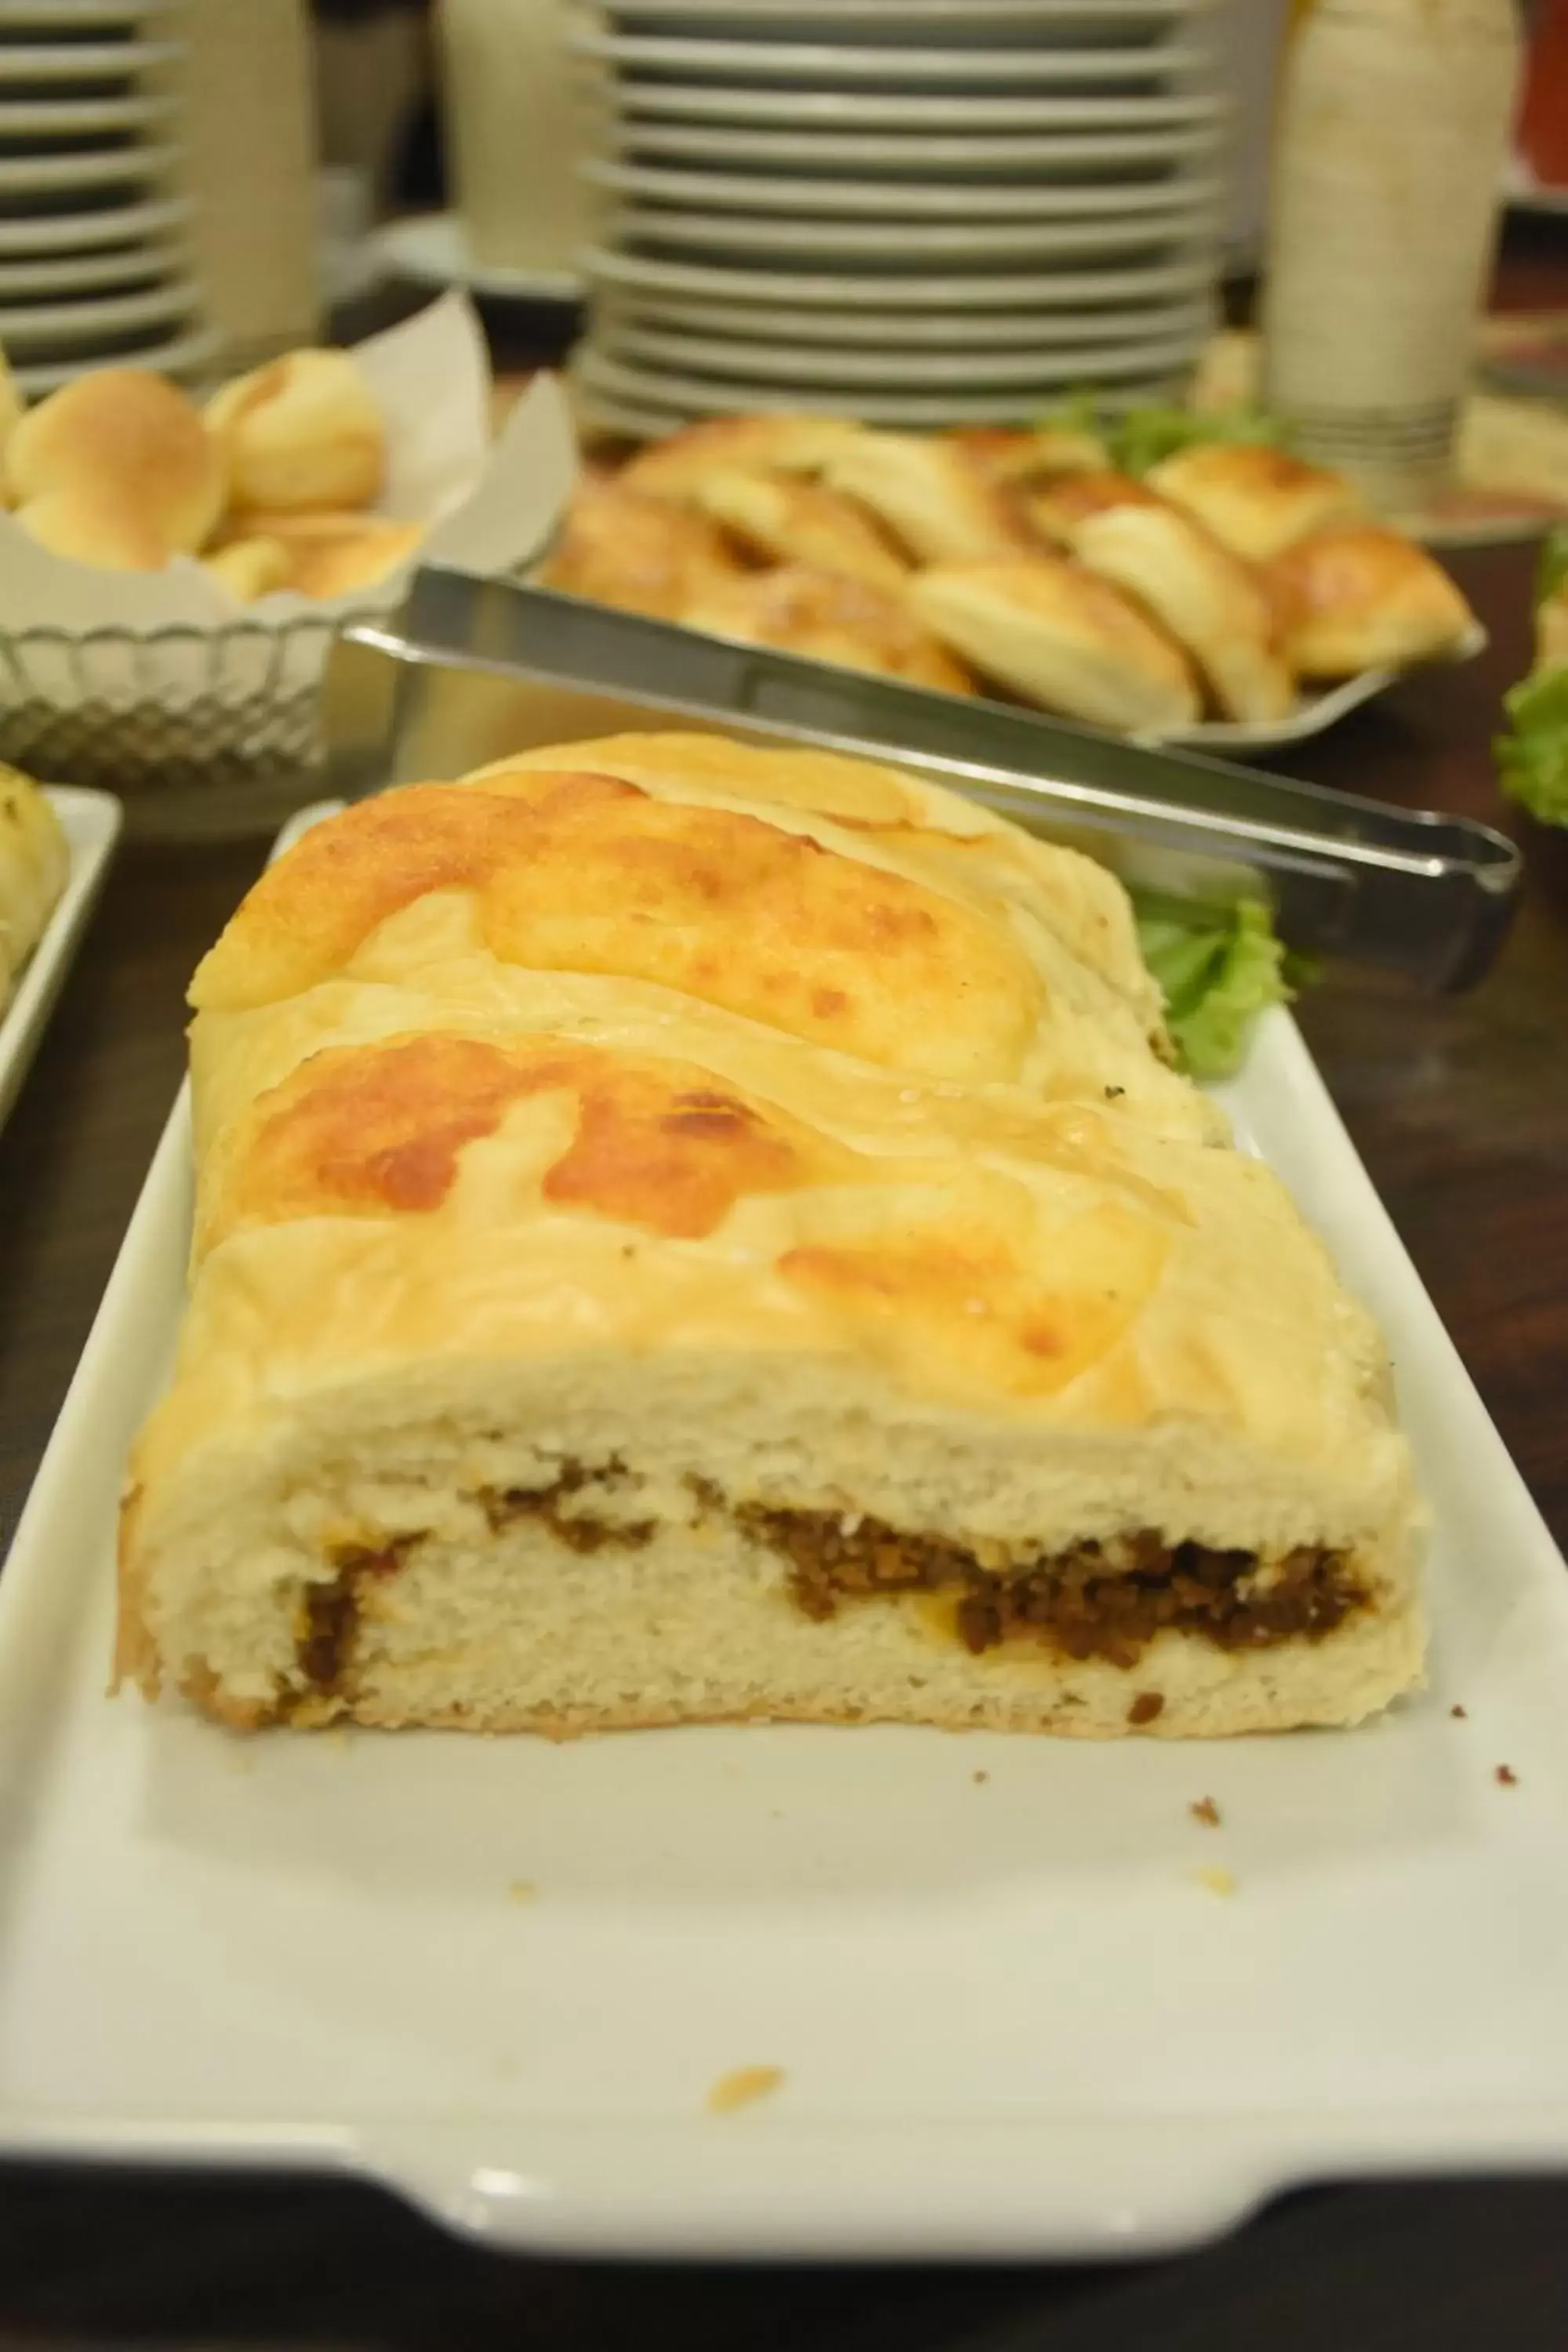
pixel 1023 2003
pixel 92 822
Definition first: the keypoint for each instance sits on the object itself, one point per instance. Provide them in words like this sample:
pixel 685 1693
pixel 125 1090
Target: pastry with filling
pixel 826 617
pixel 34 865
pixel 688 1232
pixel 937 502
pixel 1360 597
pixel 1212 602
pixel 1256 501
pixel 775 442
pixel 1052 633
pixel 643 554
pixel 780 520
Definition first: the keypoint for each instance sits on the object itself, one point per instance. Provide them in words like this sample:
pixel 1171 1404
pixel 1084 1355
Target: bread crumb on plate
pixel 743 2088
pixel 1206 1811
pixel 1217 1880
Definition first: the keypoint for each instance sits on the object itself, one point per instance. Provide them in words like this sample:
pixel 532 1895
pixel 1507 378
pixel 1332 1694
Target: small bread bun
pixel 1257 502
pixel 1210 601
pixel 641 554
pixel 935 500
pixel 100 526
pixel 302 433
pixel 1360 597
pixel 789 521
pixel 779 444
pixel 1059 638
pixel 131 438
pixel 828 618
pixel 328 554
pixel 1058 510
pixel 249 568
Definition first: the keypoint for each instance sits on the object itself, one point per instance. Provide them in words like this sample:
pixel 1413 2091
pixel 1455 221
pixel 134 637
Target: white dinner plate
pixel 1042 373
pixel 1012 2013
pixel 76 16
pixel 179 355
pixel 845 109
pixel 93 230
pixel 89 167
pixel 962 67
pixel 1118 156
pixel 1150 204
pixel 92 822
pixel 60 118
pixel 628 384
pixel 70 273
pixel 35 63
pixel 1056 289
pixel 907 331
pixel 24 326
pixel 928 245
pixel 432 248
pixel 1082 21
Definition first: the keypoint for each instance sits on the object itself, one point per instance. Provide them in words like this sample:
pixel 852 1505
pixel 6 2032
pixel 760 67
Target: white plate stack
pixel 93 264
pixel 926 212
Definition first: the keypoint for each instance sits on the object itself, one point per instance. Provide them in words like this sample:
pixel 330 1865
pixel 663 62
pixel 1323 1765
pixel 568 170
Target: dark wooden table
pixel 1460 1108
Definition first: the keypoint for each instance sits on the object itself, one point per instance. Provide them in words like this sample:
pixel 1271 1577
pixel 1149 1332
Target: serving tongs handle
pixel 483 666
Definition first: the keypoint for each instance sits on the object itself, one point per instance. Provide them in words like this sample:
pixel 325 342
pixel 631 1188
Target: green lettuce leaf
pixel 1143 437
pixel 1218 969
pixel 1533 762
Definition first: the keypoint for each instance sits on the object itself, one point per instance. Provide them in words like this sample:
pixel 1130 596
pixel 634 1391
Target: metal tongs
pixel 472 669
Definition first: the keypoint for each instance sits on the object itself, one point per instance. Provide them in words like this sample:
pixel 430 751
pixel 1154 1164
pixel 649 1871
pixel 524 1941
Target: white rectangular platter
pixel 1014 2012
pixel 91 822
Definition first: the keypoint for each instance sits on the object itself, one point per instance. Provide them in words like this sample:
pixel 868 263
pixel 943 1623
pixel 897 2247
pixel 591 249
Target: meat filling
pixel 1079 1601
pixel 1091 1601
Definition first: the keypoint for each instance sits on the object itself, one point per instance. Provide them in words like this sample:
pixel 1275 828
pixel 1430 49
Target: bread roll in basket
pixel 691 1232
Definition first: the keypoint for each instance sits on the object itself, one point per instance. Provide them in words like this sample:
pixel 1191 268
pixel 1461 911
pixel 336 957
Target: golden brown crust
pixel 97 525
pixel 777 443
pixel 1007 453
pixel 798 522
pixel 303 432
pixel 1256 501
pixel 585 872
pixel 127 436
pixel 828 618
pixel 1057 509
pixel 1054 633
pixel 643 554
pixel 1211 604
pixel 933 499
pixel 1361 597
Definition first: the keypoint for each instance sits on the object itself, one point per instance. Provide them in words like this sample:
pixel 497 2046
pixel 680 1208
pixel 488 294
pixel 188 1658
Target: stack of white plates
pixel 924 211
pixel 93 264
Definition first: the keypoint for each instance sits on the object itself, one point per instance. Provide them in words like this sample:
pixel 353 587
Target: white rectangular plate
pixel 92 822
pixel 1013 2014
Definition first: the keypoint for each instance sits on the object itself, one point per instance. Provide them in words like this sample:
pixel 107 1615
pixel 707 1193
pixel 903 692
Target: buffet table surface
pixel 1459 1107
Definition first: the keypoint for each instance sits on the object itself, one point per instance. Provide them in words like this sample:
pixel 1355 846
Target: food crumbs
pixel 743 2088
pixel 522 1890
pixel 1457 1712
pixel 1507 1777
pixel 1111 1093
pixel 980 1779
pixel 1217 1880
pixel 1206 1811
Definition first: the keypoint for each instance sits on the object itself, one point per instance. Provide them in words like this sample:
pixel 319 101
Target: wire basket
pixel 202 732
